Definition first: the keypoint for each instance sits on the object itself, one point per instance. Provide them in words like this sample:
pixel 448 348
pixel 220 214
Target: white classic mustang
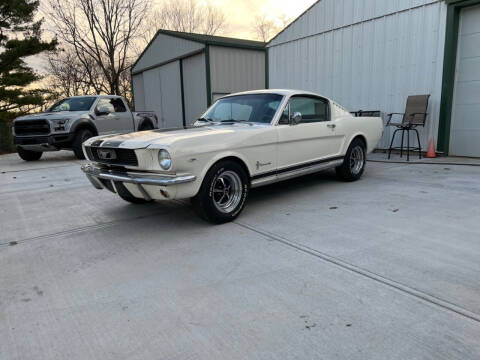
pixel 243 140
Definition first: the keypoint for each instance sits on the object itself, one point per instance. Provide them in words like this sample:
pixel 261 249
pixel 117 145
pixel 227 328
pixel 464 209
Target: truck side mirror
pixel 102 110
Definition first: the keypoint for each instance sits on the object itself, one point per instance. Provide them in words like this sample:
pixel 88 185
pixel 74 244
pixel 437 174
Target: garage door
pixel 465 132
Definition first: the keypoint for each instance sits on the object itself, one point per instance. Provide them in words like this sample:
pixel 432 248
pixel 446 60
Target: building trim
pixel 267 85
pixel 208 76
pixel 182 91
pixel 449 68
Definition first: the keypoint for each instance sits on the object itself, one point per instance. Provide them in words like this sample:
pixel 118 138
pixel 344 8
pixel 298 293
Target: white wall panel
pixel 138 92
pixel 234 70
pixel 195 89
pixel 171 95
pixel 372 64
pixel 152 92
pixel 326 15
pixel 165 48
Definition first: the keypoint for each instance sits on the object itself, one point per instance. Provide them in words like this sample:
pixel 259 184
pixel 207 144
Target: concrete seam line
pixel 36 169
pixel 81 229
pixel 421 163
pixel 359 271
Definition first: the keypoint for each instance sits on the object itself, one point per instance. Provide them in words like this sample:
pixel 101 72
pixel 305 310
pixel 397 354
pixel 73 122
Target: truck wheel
pixel 28 155
pixel 354 163
pixel 223 193
pixel 146 126
pixel 81 136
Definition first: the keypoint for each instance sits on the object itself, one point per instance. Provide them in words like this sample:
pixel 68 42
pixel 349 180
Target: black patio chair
pixel 415 115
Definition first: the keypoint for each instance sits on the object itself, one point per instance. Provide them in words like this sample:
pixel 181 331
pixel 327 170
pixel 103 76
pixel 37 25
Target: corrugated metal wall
pixel 194 87
pixel 371 64
pixel 165 48
pixel 171 95
pixel 234 70
pixel 152 92
pixel 139 92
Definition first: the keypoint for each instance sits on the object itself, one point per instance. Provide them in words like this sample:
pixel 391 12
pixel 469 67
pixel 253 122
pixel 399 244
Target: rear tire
pixel 354 163
pixel 81 136
pixel 146 127
pixel 29 155
pixel 223 193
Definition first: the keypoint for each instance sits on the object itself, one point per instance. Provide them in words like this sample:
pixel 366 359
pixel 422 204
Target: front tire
pixel 223 193
pixel 354 163
pixel 29 155
pixel 82 136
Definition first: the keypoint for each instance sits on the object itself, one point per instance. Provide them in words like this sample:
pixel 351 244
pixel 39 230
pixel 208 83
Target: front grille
pixel 31 127
pixel 123 157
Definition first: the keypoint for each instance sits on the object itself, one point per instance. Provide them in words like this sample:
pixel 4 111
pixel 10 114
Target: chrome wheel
pixel 227 191
pixel 357 160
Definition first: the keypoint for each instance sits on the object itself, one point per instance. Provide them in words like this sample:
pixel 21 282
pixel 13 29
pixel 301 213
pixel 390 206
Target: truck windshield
pixel 73 104
pixel 258 108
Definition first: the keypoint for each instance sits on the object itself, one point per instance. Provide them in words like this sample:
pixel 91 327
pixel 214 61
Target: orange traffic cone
pixel 431 149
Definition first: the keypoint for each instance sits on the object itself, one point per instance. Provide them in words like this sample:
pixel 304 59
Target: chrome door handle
pixel 331 126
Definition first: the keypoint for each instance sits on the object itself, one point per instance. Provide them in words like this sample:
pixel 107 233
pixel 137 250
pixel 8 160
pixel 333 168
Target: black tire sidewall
pixel 80 138
pixel 29 155
pixel 205 199
pixel 344 171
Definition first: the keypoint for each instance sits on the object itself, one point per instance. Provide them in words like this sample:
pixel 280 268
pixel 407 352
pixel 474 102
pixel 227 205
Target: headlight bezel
pixel 164 159
pixel 60 124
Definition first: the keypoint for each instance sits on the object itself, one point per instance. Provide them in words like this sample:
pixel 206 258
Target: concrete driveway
pixel 384 268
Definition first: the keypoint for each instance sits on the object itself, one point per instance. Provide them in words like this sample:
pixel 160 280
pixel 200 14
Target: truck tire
pixel 29 155
pixel 354 163
pixel 80 137
pixel 146 126
pixel 223 193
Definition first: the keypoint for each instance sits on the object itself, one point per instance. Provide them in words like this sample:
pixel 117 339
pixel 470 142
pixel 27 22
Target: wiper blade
pixel 233 120
pixel 205 119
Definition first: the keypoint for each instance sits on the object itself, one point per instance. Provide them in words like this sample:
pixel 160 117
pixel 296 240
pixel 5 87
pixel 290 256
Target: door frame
pixel 449 70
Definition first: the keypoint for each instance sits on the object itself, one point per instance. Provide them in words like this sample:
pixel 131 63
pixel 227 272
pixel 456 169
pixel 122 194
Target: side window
pixel 118 105
pixel 105 104
pixel 312 109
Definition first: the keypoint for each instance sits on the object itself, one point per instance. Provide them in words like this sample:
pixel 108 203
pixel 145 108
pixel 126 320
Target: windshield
pixel 258 108
pixel 73 104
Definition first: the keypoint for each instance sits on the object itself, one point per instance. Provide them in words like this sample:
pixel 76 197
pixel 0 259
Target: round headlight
pixel 164 159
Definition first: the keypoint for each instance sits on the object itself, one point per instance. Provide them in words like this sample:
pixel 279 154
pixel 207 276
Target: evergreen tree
pixel 20 37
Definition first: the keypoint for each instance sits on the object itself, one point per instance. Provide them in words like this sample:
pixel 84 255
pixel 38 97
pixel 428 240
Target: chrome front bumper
pixel 94 173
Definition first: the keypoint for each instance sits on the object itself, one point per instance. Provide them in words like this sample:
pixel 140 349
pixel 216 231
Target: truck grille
pixel 32 127
pixel 123 157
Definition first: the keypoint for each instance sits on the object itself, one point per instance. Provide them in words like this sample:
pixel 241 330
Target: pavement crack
pixel 366 273
pixel 80 229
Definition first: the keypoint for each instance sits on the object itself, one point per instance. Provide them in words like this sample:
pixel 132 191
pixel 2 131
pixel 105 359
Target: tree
pixel 20 37
pixel 184 15
pixel 265 28
pixel 68 76
pixel 99 32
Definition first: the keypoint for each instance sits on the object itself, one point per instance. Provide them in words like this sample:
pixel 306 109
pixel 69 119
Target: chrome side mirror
pixel 296 118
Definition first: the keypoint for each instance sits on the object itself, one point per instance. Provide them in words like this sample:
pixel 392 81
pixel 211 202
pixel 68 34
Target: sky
pixel 241 13
pixel 240 16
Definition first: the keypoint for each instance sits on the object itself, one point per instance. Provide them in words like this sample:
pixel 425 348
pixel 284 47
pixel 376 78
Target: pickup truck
pixel 73 120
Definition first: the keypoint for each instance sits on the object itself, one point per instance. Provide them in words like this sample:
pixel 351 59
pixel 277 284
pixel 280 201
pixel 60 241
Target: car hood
pixel 174 138
pixel 53 115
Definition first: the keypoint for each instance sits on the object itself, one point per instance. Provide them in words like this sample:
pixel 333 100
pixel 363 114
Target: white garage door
pixel 465 132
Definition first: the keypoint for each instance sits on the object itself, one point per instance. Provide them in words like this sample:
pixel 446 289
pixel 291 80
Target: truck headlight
pixel 60 124
pixel 164 159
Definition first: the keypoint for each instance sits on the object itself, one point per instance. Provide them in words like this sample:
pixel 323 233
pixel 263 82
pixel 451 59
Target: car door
pixel 105 119
pixel 313 138
pixel 112 117
pixel 124 120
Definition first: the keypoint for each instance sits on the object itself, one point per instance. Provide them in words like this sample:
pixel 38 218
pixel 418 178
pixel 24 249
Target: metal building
pixel 372 54
pixel 179 74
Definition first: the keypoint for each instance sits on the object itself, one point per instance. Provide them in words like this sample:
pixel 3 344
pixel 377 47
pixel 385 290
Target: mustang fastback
pixel 242 141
